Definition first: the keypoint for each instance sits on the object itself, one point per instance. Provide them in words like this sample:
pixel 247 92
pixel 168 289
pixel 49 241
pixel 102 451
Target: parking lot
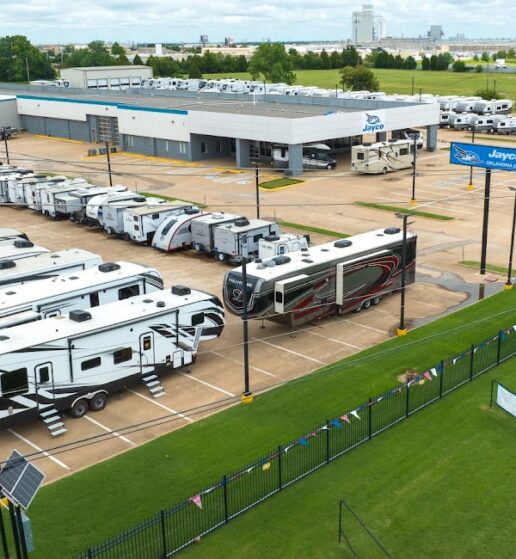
pixel 277 355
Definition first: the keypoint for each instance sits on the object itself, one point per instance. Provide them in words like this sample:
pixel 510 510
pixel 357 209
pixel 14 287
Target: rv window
pixel 404 151
pixel 90 364
pixel 44 374
pixel 135 217
pixel 94 299
pixel 360 155
pixel 184 229
pixel 197 319
pixel 136 227
pixel 168 226
pixel 279 297
pixel 155 216
pixel 256 238
pixel 14 382
pixel 147 343
pixel 122 355
pixel 129 291
pixel 244 239
pixel 281 249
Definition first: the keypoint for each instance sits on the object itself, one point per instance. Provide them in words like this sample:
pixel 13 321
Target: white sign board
pixel 506 399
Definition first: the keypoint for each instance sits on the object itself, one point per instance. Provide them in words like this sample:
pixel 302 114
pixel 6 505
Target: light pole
pixel 109 164
pixel 257 186
pixel 246 397
pixel 470 185
pixel 402 330
pixel 485 222
pixel 414 147
pixel 4 138
pixel 508 285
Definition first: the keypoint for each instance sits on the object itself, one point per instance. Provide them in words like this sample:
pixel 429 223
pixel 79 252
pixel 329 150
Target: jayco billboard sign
pixel 373 121
pixel 487 157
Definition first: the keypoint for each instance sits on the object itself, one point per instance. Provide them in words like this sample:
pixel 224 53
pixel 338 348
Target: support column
pixel 295 160
pixel 431 137
pixel 243 156
pixel 381 136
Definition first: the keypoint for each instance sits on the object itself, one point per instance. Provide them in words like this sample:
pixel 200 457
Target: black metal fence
pixel 173 529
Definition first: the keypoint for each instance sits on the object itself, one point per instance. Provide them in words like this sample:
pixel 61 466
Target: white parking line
pixel 159 404
pixel 332 339
pixel 241 364
pixel 125 439
pixel 290 351
pixel 36 447
pixel 208 384
pixel 364 326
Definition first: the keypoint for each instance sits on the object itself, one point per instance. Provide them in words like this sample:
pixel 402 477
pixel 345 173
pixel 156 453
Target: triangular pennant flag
pixel 427 375
pixel 379 399
pixel 324 427
pixel 514 327
pixel 455 360
pixel 433 370
pixel 421 381
pixel 266 466
pixel 314 434
pixel 249 470
pixel 196 500
pixel 475 349
pixel 345 418
pixel 336 422
pixel 355 414
pixel 303 442
pixel 287 448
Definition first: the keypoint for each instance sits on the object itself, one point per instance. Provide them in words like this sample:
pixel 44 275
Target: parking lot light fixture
pixel 508 284
pixel 402 329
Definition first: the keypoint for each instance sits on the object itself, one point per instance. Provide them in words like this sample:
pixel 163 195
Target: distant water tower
pixel 158 49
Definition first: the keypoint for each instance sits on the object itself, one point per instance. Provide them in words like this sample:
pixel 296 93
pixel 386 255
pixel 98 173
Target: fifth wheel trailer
pixel 346 275
pixel 79 359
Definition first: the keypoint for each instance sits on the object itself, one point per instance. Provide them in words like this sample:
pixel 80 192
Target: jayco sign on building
pixel 373 121
pixel 487 157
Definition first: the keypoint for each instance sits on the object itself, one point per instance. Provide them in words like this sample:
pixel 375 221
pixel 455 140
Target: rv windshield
pixel 233 293
pixel 168 226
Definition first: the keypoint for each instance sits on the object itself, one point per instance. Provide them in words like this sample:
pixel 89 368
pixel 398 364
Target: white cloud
pixel 174 20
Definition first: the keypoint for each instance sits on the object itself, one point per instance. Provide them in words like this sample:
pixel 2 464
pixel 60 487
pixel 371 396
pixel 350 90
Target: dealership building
pixel 195 126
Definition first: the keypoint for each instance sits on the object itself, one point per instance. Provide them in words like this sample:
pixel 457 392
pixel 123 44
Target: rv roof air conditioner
pixel 109 267
pixel 281 260
pixel 80 316
pixel 343 243
pixel 23 243
pixel 271 238
pixel 241 222
pixel 307 260
pixel 4 264
pixel 180 290
pixel 160 304
pixel 367 144
pixel 391 230
pixel 191 211
pixel 218 215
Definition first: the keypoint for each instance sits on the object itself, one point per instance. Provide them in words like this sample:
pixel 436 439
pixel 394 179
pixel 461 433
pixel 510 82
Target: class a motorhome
pixel 78 359
pixel 315 156
pixel 98 204
pixel 113 214
pixel 275 245
pixel 203 230
pixel 342 276
pixel 17 249
pixel 175 232
pixel 239 239
pixel 382 157
pixel 507 126
pixel 46 265
pixel 73 204
pixel 98 285
pixel 141 223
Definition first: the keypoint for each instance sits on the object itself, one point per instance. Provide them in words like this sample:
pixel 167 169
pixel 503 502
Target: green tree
pixel 479 69
pixel 485 56
pixel 273 62
pixel 475 58
pixel 488 94
pixel 137 60
pixel 350 57
pixel 16 54
pixel 425 63
pixel 325 61
pixel 194 72
pixel 118 52
pixel 410 63
pixel 359 78
pixel 459 66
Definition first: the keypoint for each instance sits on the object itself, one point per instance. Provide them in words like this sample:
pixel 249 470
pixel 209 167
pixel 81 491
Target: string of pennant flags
pixel 351 417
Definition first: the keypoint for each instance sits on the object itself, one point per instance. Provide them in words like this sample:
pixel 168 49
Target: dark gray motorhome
pixel 203 230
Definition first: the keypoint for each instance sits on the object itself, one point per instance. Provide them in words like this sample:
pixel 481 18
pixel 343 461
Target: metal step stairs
pixel 154 385
pixel 53 422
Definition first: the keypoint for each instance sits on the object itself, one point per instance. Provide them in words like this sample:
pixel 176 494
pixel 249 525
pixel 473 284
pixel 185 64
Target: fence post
pixel 370 416
pixel 471 363
pixel 441 376
pixel 163 534
pixel 407 399
pixel 328 449
pixel 498 351
pixel 280 481
pixel 225 486
pixel 90 553
pixel 491 400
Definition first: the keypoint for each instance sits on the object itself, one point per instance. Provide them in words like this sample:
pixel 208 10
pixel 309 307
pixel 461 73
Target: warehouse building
pixel 192 127
pixel 8 112
pixel 106 77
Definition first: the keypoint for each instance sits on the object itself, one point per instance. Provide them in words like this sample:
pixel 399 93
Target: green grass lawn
pixel 279 183
pixel 171 198
pixel 400 81
pixel 489 267
pixel 97 503
pixel 397 209
pixel 439 485
pixel 310 229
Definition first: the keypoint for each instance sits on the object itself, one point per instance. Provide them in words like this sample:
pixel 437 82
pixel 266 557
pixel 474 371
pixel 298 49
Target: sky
pixel 72 21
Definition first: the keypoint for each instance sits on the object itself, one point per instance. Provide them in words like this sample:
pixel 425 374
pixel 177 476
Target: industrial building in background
pixel 106 77
pixel 366 27
pixel 436 33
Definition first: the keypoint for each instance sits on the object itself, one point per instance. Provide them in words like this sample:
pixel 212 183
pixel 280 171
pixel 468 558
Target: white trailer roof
pixel 218 217
pixel 253 224
pixel 102 317
pixel 155 208
pixel 10 252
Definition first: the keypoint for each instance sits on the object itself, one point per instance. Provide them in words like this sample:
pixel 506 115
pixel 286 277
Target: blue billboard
pixel 487 157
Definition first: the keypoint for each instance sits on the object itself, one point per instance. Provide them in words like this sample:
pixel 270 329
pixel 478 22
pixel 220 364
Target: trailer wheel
pixel 197 247
pixel 220 256
pixel 126 237
pixel 98 402
pixel 79 408
pixel 366 304
pixel 384 171
pixel 109 231
pixel 375 300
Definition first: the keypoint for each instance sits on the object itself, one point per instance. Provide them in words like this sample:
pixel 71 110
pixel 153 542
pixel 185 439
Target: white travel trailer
pixel 39 202
pixel 141 223
pixel 34 187
pixel 73 204
pixel 96 206
pixel 495 106
pixel 8 175
pixel 342 276
pixel 240 238
pixel 464 121
pixel 487 123
pixel 113 214
pixel 507 126
pixel 446 119
pixel 315 156
pixel 46 265
pixel 17 186
pixel 282 244
pixel 48 195
pixel 79 359
pixel 98 285
pixel 19 248
pixel 203 230
pixel 175 232
pixel 382 157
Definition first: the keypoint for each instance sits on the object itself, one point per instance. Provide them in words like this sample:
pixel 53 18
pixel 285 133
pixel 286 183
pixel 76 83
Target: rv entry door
pixel 147 361
pixel 44 381
pixel 285 292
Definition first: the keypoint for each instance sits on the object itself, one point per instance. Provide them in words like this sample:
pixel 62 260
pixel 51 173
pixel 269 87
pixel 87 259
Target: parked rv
pixel 464 121
pixel 507 126
pixel 98 285
pixel 239 239
pixel 48 195
pixel 315 156
pixel 203 229
pixel 446 119
pixel 487 123
pixel 73 204
pixel 495 106
pixel 16 249
pixel 382 157
pixel 175 232
pixel 275 245
pixel 96 206
pixel 80 358
pixel 409 134
pixel 8 235
pixel 113 213
pixel 46 265
pixel 342 276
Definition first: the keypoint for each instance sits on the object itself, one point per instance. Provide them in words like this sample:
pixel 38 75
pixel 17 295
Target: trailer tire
pixel 109 231
pixel 375 300
pixel 126 237
pixel 220 256
pixel 98 402
pixel 79 408
pixel 197 247
pixel 366 304
pixel 384 171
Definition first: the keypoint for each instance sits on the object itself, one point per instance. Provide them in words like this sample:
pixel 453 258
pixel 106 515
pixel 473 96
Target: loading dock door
pixel 281 297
